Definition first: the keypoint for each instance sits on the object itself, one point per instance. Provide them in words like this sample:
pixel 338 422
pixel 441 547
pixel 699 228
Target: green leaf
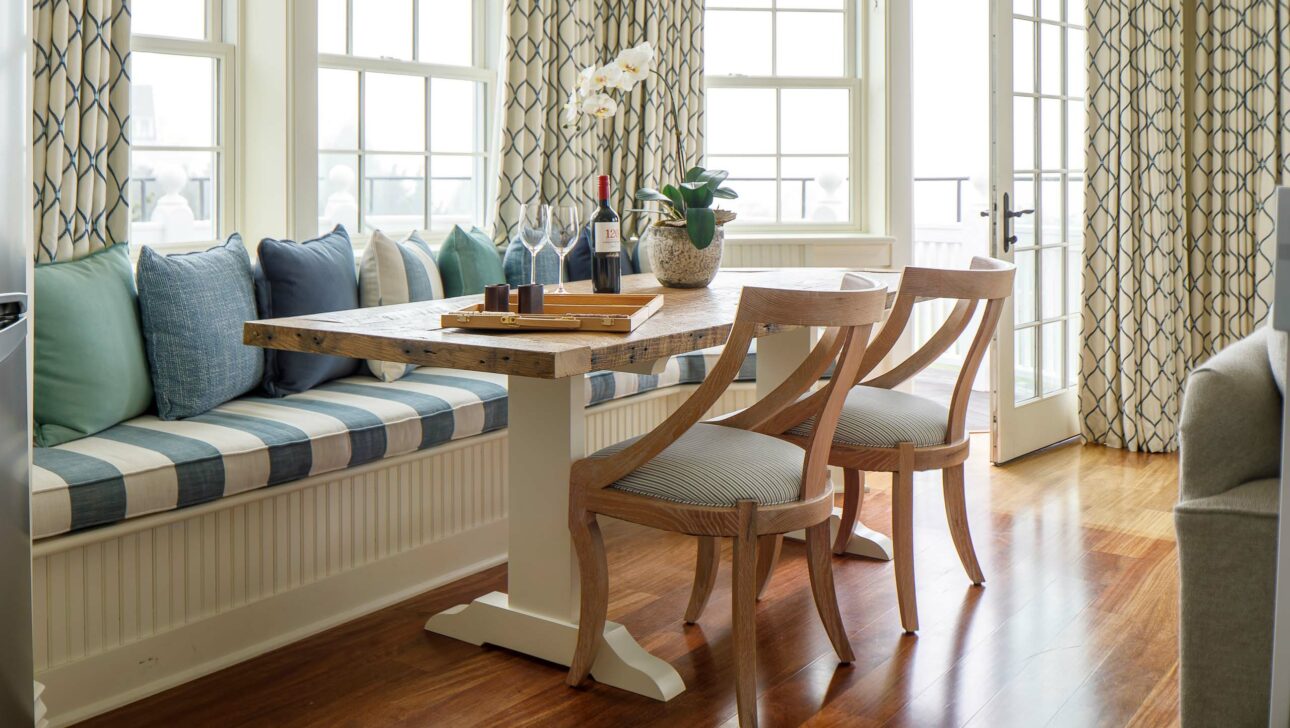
pixel 701 224
pixel 696 194
pixel 715 177
pixel 725 193
pixel 675 198
pixel 652 195
pixel 694 174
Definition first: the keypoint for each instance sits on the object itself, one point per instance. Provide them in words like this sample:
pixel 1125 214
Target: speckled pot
pixel 677 263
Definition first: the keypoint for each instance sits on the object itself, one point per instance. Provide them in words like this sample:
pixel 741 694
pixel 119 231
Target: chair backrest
pixel 986 281
pixel 848 317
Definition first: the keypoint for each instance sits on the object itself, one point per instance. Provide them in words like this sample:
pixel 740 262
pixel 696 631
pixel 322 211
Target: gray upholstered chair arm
pixel 1231 421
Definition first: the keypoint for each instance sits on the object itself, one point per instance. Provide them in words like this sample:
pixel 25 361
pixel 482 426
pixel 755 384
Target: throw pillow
pixel 578 261
pixel 392 273
pixel 468 262
pixel 298 279
pixel 193 310
pixel 91 370
pixel 518 264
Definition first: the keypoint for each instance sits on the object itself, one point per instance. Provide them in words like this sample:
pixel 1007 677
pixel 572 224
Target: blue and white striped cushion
pixel 874 417
pixel 392 273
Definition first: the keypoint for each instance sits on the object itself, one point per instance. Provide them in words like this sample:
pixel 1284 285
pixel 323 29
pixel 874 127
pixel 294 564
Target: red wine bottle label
pixel 608 237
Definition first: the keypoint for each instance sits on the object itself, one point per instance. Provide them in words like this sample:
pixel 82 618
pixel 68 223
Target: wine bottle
pixel 606 270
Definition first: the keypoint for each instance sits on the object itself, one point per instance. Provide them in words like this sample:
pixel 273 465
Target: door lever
pixel 1010 239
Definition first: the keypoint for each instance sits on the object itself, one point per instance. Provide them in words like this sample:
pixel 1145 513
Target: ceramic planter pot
pixel 677 263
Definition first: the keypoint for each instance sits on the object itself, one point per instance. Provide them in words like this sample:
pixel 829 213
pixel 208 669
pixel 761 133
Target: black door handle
pixel 1010 239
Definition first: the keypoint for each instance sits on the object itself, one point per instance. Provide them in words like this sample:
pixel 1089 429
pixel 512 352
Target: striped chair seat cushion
pixel 711 465
pixel 147 465
pixel 874 417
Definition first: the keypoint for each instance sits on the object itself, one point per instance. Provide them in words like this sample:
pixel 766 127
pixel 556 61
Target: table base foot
pixel 621 662
pixel 864 541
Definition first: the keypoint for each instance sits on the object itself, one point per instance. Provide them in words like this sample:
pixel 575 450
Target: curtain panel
pixel 547 44
pixel 1188 114
pixel 81 107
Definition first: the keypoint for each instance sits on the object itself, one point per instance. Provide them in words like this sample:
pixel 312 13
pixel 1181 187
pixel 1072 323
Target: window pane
pixel 738 3
pixel 816 121
pixel 177 18
pixel 172 197
pixel 1054 355
pixel 1075 210
pixel 1051 58
pixel 809 44
pixel 1076 131
pixel 1050 210
pixel 741 121
pixel 736 42
pixel 337 192
pixel 454 115
pixel 1076 63
pixel 1023 296
pixel 394 192
pixel 811 4
pixel 331 26
pixel 394 112
pixel 446 32
pixel 1026 383
pixel 455 191
pixel 337 109
pixel 754 179
pixel 814 189
pixel 1054 277
pixel 383 29
pixel 1023 56
pixel 172 101
pixel 1023 132
pixel 1050 9
pixel 1051 142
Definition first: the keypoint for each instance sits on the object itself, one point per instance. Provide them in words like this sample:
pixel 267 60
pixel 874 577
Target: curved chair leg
pixel 820 563
pixel 744 613
pixel 902 536
pixel 768 548
pixel 956 514
pixel 852 499
pixel 594 571
pixel 705 576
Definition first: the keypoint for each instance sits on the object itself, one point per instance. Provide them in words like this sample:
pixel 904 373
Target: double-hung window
pixel 784 107
pixel 404 112
pixel 180 122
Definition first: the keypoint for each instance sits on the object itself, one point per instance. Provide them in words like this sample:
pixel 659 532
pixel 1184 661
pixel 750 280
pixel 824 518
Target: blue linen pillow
pixel 518 264
pixel 298 279
pixel 578 261
pixel 468 261
pixel 193 308
pixel 392 273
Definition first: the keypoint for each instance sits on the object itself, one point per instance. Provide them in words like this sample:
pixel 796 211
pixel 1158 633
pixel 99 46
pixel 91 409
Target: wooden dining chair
pixel 882 429
pixel 726 480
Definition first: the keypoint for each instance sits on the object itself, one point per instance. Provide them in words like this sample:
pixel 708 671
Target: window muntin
pixel 402 121
pixel 784 104
pixel 179 130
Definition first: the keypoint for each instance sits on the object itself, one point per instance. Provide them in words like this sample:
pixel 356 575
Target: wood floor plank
pixel 1076 625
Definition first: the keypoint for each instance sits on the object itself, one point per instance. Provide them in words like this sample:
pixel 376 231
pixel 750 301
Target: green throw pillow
pixel 468 261
pixel 91 368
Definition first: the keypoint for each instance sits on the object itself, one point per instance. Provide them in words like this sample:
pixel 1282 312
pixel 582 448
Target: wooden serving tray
pixel 617 312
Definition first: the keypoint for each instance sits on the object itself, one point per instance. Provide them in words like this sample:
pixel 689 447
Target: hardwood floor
pixel 1077 625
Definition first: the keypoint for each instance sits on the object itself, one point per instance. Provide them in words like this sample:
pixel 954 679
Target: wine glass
pixel 535 232
pixel 564 231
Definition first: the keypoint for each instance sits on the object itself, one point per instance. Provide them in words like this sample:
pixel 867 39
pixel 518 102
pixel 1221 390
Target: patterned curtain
pixel 1189 138
pixel 547 44
pixel 81 103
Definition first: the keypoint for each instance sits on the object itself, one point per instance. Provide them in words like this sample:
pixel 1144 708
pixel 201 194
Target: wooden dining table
pixel 537 615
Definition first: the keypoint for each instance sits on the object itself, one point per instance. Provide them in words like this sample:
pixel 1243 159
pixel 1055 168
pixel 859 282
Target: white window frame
pixel 217 46
pixel 855 79
pixel 485 18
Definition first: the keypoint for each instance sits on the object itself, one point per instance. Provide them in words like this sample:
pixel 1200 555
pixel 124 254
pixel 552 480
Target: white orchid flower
pixel 636 62
pixel 601 106
pixel 607 76
pixel 571 110
pixel 587 81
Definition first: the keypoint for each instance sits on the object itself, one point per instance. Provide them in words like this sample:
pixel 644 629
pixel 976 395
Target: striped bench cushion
pixel 147 465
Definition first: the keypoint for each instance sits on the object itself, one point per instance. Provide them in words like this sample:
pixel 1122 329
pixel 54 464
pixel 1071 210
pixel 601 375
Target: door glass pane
pixel 445 32
pixel 331 26
pixel 1023 7
pixel 1076 142
pixel 736 41
pixel 1026 381
pixel 1075 210
pixel 1023 132
pixel 1050 210
pixel 1023 198
pixel 1076 63
pixel 1023 56
pixel 337 109
pixel 821 33
pixel 1023 295
pixel 383 29
pixel 1050 59
pixel 815 121
pixel 746 118
pixel 1050 9
pixel 1053 356
pixel 1073 326
pixel 1052 275
pixel 337 192
pixel 1074 278
pixel 394 192
pixel 394 112
pixel 1051 142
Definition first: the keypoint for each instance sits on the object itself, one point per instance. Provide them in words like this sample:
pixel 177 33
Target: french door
pixel 1038 80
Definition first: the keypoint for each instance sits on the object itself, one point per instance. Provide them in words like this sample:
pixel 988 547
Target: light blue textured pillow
pixel 518 261
pixel 193 308
pixel 392 273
